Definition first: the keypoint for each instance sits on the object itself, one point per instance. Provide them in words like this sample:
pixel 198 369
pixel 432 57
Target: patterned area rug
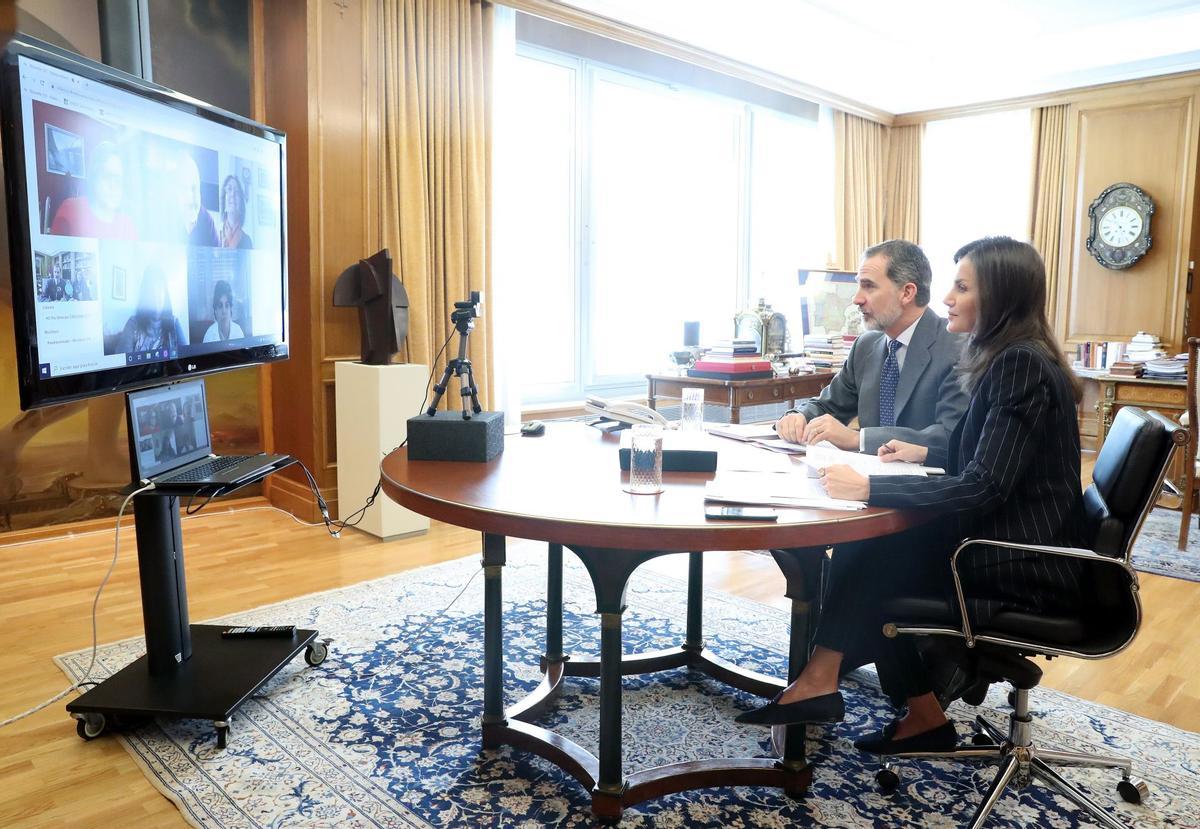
pixel 385 732
pixel 1157 550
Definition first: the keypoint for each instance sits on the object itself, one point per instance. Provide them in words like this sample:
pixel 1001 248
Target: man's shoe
pixel 825 708
pixel 942 738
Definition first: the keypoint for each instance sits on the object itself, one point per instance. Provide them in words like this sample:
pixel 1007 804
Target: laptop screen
pixel 170 425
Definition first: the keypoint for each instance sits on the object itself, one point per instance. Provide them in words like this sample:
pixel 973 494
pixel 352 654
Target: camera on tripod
pixel 464 312
pixel 475 435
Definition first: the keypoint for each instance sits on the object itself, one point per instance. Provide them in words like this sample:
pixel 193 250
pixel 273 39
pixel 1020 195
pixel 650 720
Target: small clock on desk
pixel 1120 233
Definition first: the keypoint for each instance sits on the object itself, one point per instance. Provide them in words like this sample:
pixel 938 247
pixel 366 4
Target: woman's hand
pixel 841 481
pixel 898 450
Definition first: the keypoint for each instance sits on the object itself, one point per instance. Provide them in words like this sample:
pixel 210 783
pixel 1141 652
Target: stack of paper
pixel 758 434
pixel 773 489
pixel 826 454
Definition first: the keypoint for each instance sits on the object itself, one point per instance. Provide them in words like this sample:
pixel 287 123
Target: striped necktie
pixel 889 379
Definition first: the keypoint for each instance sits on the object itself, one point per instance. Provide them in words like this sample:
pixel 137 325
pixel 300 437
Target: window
pixel 975 181
pixel 638 204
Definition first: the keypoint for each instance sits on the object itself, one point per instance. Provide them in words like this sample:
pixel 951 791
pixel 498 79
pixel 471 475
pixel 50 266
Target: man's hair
pixel 906 263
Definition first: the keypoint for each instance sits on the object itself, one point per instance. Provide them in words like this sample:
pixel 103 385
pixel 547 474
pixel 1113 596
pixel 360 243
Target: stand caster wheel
pixel 887 779
pixel 222 733
pixel 91 726
pixel 1133 792
pixel 315 653
pixel 980 739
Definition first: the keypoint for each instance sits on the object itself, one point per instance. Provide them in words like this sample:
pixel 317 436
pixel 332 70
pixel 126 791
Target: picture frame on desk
pixel 824 296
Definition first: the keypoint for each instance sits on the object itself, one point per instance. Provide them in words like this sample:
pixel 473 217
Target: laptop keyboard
pixel 207 470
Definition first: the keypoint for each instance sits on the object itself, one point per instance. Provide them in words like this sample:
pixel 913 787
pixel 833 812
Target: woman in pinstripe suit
pixel 1013 474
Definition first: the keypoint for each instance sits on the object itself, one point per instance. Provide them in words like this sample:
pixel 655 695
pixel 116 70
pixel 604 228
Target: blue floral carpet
pixel 1156 550
pixel 385 732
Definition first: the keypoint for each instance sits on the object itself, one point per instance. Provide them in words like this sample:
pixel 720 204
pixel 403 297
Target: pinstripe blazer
pixel 1013 475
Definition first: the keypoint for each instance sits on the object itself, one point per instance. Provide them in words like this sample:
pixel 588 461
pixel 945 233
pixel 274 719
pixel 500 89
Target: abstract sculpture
pixel 382 306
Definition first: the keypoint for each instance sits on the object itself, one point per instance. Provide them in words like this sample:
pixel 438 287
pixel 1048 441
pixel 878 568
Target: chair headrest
pixel 1127 470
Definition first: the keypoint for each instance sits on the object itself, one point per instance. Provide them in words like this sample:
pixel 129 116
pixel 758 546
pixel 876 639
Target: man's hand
pixel 898 450
pixel 843 482
pixel 827 427
pixel 791 427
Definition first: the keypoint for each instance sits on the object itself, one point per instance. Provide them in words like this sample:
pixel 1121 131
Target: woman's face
pixel 223 309
pixel 110 185
pixel 963 299
pixel 233 201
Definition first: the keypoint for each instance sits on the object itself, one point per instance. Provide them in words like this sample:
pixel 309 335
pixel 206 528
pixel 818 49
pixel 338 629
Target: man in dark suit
pixel 899 379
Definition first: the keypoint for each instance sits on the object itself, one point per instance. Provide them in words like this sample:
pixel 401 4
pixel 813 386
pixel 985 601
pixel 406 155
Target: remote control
pixel 261 632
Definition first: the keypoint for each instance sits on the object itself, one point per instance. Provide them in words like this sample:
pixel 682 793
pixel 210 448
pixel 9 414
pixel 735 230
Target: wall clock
pixel 1120 233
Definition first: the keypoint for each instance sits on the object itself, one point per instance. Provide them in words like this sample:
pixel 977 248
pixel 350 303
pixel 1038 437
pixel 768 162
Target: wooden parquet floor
pixel 248 555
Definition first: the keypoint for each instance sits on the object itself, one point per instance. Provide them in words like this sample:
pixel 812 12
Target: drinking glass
pixel 691 412
pixel 645 460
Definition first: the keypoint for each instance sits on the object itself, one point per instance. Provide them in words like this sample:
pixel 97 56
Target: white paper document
pixel 773 489
pixel 826 454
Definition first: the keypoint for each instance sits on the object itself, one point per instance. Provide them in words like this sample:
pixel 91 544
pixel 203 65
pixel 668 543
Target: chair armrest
pixel 1068 552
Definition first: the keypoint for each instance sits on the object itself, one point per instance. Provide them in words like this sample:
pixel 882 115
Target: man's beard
pixel 882 322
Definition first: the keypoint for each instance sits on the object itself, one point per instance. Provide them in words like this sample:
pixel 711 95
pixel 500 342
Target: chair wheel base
pixel 887 779
pixel 1132 792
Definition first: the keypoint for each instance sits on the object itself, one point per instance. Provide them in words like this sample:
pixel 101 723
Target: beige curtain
pixel 437 170
pixel 877 187
pixel 902 213
pixel 1049 185
pixel 860 160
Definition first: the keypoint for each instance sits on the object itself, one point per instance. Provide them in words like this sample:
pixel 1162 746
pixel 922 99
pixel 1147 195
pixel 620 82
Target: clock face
pixel 1120 226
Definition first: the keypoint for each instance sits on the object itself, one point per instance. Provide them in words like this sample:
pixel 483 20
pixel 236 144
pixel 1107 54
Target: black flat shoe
pixel 825 708
pixel 942 738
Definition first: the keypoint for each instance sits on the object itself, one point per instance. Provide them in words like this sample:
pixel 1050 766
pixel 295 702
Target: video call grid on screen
pixel 156 234
pixel 170 426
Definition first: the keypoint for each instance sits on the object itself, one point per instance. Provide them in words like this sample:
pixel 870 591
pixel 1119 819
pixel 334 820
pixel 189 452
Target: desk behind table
pixel 740 400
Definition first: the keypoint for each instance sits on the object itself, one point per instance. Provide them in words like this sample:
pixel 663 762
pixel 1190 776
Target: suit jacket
pixel 929 399
pixel 1013 475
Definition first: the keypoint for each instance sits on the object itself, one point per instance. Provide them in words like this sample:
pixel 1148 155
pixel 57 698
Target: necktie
pixel 889 379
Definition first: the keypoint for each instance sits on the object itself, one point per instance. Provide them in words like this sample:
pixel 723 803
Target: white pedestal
pixel 374 404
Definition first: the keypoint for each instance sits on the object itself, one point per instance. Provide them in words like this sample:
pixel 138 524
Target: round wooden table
pixel 565 488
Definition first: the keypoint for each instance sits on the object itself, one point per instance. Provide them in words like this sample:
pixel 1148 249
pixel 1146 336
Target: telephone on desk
pixel 622 413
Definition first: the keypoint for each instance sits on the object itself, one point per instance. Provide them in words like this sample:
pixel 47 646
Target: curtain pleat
pixel 1049 185
pixel 877 187
pixel 437 170
pixel 902 218
pixel 860 156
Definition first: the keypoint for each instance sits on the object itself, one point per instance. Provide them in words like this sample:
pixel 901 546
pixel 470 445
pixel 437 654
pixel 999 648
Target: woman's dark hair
pixel 222 289
pixel 241 196
pixel 1010 279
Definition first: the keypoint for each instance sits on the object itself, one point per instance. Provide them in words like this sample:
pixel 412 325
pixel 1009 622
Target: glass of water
pixel 645 460
pixel 691 412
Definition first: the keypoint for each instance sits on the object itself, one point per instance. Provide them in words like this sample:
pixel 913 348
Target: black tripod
pixel 463 318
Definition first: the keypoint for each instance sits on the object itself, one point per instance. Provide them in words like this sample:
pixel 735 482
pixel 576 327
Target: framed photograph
pixel 118 283
pixel 64 152
pixel 824 297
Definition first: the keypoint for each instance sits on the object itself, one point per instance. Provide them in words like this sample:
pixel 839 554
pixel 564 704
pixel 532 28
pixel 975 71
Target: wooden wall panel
pixel 321 69
pixel 1149 140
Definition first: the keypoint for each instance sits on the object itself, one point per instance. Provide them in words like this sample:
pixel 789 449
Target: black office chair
pixel 1126 481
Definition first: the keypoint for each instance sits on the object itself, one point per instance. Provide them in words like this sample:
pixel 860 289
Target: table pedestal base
pixel 612 790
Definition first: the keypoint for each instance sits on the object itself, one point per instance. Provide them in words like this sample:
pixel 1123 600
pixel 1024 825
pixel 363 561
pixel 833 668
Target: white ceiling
pixel 912 55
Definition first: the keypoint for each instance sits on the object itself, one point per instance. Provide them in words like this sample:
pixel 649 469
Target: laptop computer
pixel 170 443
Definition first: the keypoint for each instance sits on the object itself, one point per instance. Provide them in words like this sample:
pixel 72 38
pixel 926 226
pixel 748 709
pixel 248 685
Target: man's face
pixel 189 191
pixel 878 297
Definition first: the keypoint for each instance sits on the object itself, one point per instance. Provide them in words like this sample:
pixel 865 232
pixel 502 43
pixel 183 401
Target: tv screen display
pixel 146 229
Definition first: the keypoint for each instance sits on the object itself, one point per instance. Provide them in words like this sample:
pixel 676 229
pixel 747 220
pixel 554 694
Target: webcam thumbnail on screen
pixel 155 234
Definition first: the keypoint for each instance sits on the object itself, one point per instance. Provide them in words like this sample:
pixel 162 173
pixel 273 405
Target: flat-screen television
pixel 146 230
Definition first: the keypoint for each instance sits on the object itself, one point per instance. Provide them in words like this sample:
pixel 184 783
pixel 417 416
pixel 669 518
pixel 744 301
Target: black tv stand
pixel 188 670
